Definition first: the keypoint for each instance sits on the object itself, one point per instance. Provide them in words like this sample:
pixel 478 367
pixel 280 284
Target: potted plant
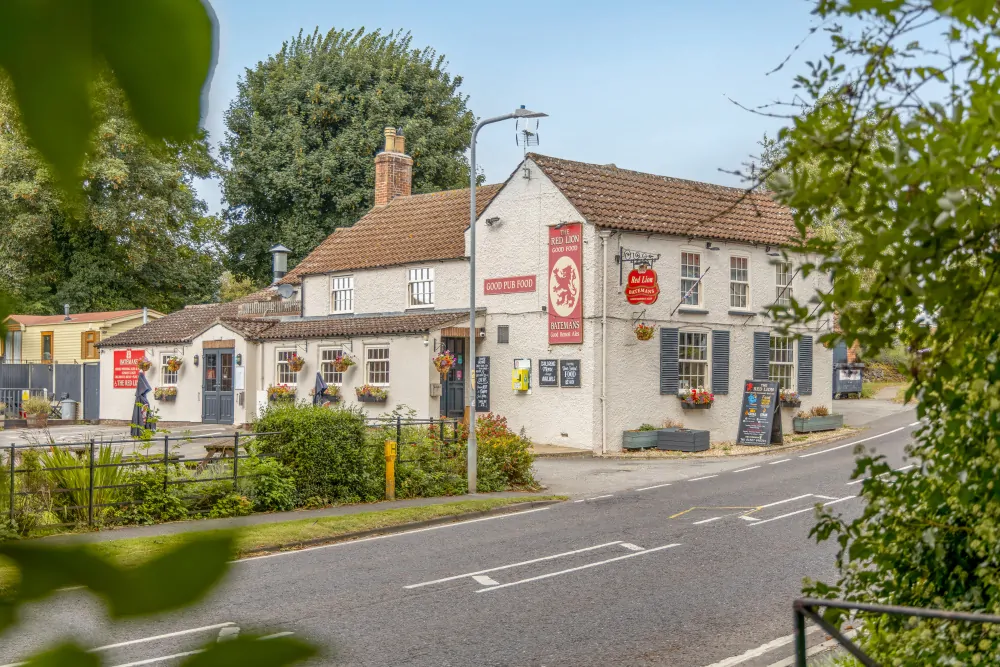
pixel 817 419
pixel 367 393
pixel 296 363
pixel 280 392
pixel 444 361
pixel 696 399
pixel 174 364
pixel 342 363
pixel 644 437
pixel 644 331
pixel 144 364
pixel 790 399
pixel 332 393
pixel 165 393
pixel 36 410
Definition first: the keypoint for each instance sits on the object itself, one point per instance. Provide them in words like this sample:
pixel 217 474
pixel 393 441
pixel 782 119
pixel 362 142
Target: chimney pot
pixel 393 169
pixel 390 139
pixel 66 312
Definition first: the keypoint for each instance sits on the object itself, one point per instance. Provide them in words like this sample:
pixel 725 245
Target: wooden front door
pixel 453 384
pixel 217 387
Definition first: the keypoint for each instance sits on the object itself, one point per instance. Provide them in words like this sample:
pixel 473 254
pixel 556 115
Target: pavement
pixel 688 563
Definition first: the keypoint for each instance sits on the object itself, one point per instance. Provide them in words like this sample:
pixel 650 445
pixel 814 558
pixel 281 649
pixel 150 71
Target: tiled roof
pixel 630 200
pixel 177 327
pixel 420 228
pixel 360 326
pixel 76 318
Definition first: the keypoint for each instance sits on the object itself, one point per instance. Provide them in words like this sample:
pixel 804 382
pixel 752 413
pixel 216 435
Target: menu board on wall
pixel 565 284
pixel 760 421
pixel 548 373
pixel 482 384
pixel 569 372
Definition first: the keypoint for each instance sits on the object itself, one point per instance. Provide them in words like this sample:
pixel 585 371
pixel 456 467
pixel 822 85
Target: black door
pixel 453 385
pixel 217 387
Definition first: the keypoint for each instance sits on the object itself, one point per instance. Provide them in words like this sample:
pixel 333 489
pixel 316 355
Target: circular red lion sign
pixel 642 286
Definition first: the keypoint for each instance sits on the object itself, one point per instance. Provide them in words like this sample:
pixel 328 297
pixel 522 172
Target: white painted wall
pixel 384 290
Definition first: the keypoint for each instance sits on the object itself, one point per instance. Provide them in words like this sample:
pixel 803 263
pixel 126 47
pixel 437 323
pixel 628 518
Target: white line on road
pixel 912 465
pixel 698 479
pixel 749 518
pixel 745 469
pixel 163 658
pixel 760 650
pixel 859 481
pixel 698 523
pixel 774 463
pixel 649 488
pixel 506 567
pixel 856 442
pixel 631 547
pixel 578 568
pixel 808 509
pixel 581 500
pixel 816 495
pixel 388 535
pixel 484 580
pixel 786 500
pixel 607 495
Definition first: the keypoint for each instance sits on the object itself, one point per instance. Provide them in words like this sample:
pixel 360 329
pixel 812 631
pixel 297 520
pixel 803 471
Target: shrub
pixel 647 427
pixel 36 405
pixel 269 485
pixel 868 390
pixel 71 476
pixel 148 502
pixel 425 469
pixel 231 504
pixel 819 411
pixel 672 423
pixel 325 450
pixel 33 504
pixel 505 462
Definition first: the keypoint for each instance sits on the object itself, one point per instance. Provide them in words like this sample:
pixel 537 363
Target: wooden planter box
pixel 682 439
pixel 372 399
pixel 639 439
pixel 37 421
pixel 811 424
pixel 280 399
pixel 695 406
pixel 167 399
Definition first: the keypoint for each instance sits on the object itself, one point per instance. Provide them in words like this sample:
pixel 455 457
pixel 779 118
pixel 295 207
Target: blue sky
pixel 641 84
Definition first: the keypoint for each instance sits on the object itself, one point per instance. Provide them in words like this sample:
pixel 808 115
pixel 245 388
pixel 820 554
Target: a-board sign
pixel 569 372
pixel 482 384
pixel 548 373
pixel 760 417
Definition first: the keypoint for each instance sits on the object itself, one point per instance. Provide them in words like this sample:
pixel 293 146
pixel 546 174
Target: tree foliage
pixel 132 233
pixel 306 124
pixel 921 210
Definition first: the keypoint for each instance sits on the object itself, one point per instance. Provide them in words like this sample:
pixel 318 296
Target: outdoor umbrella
pixel 320 391
pixel 141 408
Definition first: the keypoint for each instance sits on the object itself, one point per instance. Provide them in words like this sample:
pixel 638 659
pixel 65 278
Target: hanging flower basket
pixel 296 363
pixel 367 393
pixel 342 363
pixel 644 331
pixel 165 393
pixel 144 364
pixel 174 364
pixel 444 361
pixel 697 399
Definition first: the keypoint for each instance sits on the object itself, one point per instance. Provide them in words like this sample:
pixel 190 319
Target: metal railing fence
pixel 445 434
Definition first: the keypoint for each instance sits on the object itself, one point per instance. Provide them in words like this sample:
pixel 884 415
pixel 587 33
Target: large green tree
pixel 904 153
pixel 132 233
pixel 304 129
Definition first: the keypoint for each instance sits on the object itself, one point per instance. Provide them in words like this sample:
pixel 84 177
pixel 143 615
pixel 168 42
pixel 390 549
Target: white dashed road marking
pixel 774 463
pixel 631 547
pixel 698 479
pixel 698 523
pixel 745 469
pixel 649 488
pixel 484 580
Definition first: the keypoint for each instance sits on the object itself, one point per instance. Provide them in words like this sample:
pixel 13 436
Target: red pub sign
pixel 509 285
pixel 126 368
pixel 642 286
pixel 565 284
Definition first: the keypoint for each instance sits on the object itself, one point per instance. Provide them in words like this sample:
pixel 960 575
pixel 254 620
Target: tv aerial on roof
pixel 526 132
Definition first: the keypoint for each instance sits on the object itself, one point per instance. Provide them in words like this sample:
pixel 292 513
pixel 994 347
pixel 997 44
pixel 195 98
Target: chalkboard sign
pixel 760 417
pixel 482 384
pixel 569 372
pixel 548 373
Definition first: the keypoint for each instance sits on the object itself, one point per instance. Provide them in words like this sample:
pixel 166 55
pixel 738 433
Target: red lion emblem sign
pixel 566 284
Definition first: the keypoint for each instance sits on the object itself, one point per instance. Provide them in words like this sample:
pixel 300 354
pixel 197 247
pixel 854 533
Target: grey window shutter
pixel 720 362
pixel 805 384
pixel 669 382
pixel 761 355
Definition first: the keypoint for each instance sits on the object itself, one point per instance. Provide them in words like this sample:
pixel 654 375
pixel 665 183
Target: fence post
pixel 442 430
pixel 236 458
pixel 390 470
pixel 13 454
pixel 90 501
pixel 399 428
pixel 800 637
pixel 166 461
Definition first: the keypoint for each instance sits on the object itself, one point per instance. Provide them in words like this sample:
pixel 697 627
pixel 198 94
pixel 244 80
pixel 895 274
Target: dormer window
pixel 420 288
pixel 342 294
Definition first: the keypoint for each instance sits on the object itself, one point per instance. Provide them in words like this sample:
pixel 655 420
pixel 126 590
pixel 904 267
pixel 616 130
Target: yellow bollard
pixel 390 470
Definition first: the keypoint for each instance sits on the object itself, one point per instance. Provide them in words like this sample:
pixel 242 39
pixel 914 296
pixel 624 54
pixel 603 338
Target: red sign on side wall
pixel 126 368
pixel 509 285
pixel 566 284
pixel 642 287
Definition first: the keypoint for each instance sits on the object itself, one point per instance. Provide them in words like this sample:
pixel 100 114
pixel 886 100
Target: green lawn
pixel 287 533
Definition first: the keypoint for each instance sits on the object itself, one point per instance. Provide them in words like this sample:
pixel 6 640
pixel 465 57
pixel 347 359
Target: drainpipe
pixel 145 314
pixel 604 234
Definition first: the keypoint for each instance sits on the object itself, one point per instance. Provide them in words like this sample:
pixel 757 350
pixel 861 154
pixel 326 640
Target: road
pixel 688 572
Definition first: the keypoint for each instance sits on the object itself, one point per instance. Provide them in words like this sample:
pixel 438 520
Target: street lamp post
pixel 518 113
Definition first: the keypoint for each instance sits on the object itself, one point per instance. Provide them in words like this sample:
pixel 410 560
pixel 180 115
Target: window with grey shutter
pixel 761 355
pixel 720 362
pixel 668 361
pixel 503 333
pixel 805 366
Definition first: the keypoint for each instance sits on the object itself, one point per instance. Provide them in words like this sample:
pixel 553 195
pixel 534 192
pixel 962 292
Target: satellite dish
pixel 285 291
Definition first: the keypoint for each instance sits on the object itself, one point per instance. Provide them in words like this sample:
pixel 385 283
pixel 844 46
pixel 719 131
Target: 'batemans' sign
pixel 509 285
pixel 642 286
pixel 125 372
pixel 565 284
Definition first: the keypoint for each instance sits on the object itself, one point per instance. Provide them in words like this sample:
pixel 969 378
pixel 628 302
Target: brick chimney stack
pixel 393 168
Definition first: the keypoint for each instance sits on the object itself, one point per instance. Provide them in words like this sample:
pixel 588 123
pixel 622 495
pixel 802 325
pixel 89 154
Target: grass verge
pixel 284 534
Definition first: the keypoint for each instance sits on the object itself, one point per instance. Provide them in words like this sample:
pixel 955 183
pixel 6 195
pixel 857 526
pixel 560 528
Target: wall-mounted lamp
pixel 239 359
pixel 492 221
pixel 426 341
pixel 708 244
pixel 196 360
pixel 770 252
